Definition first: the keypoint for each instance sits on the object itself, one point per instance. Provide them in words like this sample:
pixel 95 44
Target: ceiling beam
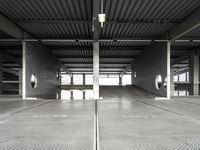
pixel 65 48
pixel 10 28
pixel 8 70
pixel 114 40
pixel 11 58
pixel 65 69
pixel 181 71
pixel 127 69
pixel 138 21
pixel 101 57
pixel 85 63
pixel 187 25
pixel 183 57
pixel 191 22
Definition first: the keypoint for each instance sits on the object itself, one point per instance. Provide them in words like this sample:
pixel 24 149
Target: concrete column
pixel 120 80
pixel 83 79
pixel 194 75
pixel 84 95
pixel 172 83
pixel 168 70
pixel 96 70
pixel 59 83
pixel 83 84
pixel 1 73
pixel 72 80
pixel 20 82
pixel 71 92
pixel 24 70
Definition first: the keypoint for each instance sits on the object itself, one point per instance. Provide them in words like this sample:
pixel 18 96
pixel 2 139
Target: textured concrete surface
pixel 129 119
pixel 136 121
pixel 54 125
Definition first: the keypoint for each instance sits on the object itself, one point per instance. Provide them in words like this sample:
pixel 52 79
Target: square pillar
pixel 172 83
pixel 20 82
pixel 71 92
pixel 1 73
pixel 24 70
pixel 84 84
pixel 96 70
pixel 168 70
pixel 194 74
pixel 120 80
pixel 59 83
pixel 83 94
pixel 83 79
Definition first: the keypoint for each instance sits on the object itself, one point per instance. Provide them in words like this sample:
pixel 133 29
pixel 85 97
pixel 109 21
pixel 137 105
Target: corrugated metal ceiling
pixel 125 19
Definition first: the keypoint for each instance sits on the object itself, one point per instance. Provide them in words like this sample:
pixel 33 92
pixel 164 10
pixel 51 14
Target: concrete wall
pixel 39 60
pixel 151 62
pixel 1 72
pixel 194 74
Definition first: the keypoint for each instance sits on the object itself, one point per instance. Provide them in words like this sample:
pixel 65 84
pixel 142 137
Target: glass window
pixel 65 94
pixel 65 79
pixel 176 78
pixel 182 77
pixel 77 94
pixel 175 93
pixel 78 79
pixel 182 93
pixel 106 80
pixel 126 79
pixel 89 79
pixel 88 94
pixel 187 76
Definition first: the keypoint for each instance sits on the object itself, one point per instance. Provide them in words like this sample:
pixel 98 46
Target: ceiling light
pixel 102 19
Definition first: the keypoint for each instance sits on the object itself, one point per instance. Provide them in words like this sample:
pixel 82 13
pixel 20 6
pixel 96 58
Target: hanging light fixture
pixel 102 16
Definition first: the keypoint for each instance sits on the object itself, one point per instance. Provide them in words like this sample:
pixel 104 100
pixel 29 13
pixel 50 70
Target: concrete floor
pixel 129 119
pixel 137 121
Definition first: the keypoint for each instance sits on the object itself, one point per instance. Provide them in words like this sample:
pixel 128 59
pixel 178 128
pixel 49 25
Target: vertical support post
pixel 83 94
pixel 172 83
pixel 83 79
pixel 168 71
pixel 23 70
pixel 120 80
pixel 59 83
pixel 1 73
pixel 96 70
pixel 194 74
pixel 84 84
pixel 20 81
pixel 72 82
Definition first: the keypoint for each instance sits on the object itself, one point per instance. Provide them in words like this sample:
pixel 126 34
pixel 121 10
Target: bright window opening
pixel 126 79
pixel 65 94
pixel 181 93
pixel 88 94
pixel 77 94
pixel 65 79
pixel 109 80
pixel 78 79
pixel 89 79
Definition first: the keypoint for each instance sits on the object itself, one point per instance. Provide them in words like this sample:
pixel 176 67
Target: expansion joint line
pixel 96 126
